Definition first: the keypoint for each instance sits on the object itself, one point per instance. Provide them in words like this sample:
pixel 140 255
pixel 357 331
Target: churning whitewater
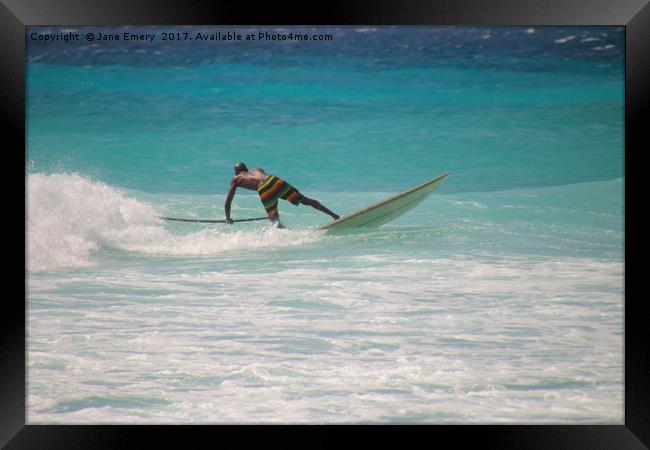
pixel 71 217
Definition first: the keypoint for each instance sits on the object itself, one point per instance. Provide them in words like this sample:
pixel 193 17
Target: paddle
pixel 211 221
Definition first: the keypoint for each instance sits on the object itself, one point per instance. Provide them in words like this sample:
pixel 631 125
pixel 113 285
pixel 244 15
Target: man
pixel 270 189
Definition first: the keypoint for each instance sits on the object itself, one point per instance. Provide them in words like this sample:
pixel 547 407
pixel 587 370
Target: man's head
pixel 240 167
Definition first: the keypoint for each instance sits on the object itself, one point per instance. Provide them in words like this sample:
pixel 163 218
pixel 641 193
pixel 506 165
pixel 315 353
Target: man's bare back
pixel 251 179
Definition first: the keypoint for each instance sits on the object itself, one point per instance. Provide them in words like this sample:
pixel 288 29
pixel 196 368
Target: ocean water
pixel 499 299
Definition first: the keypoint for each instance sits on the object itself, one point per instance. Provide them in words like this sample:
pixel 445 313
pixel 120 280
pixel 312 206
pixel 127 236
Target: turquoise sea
pixel 499 299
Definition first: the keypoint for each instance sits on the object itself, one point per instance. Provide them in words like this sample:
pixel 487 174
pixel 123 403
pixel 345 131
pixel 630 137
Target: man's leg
pixel 316 204
pixel 275 218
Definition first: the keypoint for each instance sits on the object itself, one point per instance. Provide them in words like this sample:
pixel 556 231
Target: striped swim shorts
pixel 274 189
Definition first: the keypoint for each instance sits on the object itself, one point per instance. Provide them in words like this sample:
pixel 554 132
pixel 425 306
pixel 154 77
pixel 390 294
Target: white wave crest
pixel 70 217
pixel 564 40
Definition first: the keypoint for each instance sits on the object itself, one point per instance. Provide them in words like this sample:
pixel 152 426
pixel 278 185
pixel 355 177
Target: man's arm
pixel 229 197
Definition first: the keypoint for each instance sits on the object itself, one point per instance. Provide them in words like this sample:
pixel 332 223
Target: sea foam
pixel 69 217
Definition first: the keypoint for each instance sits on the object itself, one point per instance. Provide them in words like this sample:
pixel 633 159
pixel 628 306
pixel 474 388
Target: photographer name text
pixel 101 36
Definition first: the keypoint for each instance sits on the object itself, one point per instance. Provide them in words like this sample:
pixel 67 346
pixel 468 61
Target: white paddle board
pixel 388 209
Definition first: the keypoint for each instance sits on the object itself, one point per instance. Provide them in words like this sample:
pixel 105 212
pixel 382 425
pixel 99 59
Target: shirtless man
pixel 270 189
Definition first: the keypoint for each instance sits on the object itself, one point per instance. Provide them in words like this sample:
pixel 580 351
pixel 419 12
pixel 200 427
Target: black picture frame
pixel 15 15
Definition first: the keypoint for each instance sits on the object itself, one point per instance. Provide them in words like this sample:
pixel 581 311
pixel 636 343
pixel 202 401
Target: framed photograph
pixel 409 218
